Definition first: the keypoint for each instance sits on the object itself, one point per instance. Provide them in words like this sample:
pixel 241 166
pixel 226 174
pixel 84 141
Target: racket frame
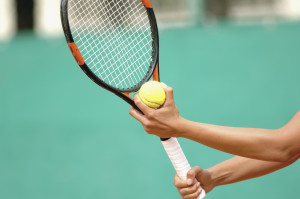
pixel 171 145
pixel 124 94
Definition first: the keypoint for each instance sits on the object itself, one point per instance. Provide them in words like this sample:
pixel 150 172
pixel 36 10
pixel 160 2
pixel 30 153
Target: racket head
pixel 121 35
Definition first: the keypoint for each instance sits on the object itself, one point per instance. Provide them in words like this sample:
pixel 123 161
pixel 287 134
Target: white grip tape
pixel 178 159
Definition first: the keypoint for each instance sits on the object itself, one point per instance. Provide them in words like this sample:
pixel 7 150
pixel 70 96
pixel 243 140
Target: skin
pixel 227 172
pixel 277 145
pixel 264 150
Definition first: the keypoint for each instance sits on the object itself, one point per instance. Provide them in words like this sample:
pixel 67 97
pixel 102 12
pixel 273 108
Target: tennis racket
pixel 115 42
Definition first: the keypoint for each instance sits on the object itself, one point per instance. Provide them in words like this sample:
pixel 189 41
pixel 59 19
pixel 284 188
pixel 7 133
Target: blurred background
pixel 232 62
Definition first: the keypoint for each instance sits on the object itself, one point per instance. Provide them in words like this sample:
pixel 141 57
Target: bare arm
pixel 264 144
pixel 231 171
pixel 227 172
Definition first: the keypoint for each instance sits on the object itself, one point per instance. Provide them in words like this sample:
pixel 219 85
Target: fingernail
pixel 198 184
pixel 189 181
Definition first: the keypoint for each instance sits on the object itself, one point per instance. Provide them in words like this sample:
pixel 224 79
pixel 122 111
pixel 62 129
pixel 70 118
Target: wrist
pixel 188 129
pixel 213 175
pixel 219 177
pixel 182 127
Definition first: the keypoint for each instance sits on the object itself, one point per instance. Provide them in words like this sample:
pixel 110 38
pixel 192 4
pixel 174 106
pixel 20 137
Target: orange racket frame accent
pixel 76 53
pixel 155 74
pixel 147 3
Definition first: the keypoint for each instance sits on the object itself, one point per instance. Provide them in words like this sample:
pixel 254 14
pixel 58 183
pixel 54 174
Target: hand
pixel 164 122
pixel 191 188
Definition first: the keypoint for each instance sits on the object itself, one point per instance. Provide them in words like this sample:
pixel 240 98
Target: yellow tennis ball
pixel 153 94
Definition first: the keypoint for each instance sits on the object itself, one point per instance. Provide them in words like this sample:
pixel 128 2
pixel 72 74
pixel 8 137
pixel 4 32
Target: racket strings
pixel 122 43
pixel 115 39
pixel 91 36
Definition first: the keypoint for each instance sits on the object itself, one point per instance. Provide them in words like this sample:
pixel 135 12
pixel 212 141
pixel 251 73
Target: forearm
pixel 263 144
pixel 239 168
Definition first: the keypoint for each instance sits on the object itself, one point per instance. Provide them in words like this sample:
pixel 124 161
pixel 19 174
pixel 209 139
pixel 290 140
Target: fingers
pixel 136 115
pixel 187 191
pixel 194 195
pixel 143 107
pixel 169 94
pixel 190 190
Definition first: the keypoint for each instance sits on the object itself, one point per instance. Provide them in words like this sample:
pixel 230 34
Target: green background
pixel 61 136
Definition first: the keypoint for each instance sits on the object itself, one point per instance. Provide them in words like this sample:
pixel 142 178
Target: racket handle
pixel 178 160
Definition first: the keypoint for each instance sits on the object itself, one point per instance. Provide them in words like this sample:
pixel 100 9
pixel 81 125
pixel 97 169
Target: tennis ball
pixel 153 94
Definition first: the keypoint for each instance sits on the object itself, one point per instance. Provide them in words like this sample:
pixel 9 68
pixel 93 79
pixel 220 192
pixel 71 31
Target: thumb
pixel 192 174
